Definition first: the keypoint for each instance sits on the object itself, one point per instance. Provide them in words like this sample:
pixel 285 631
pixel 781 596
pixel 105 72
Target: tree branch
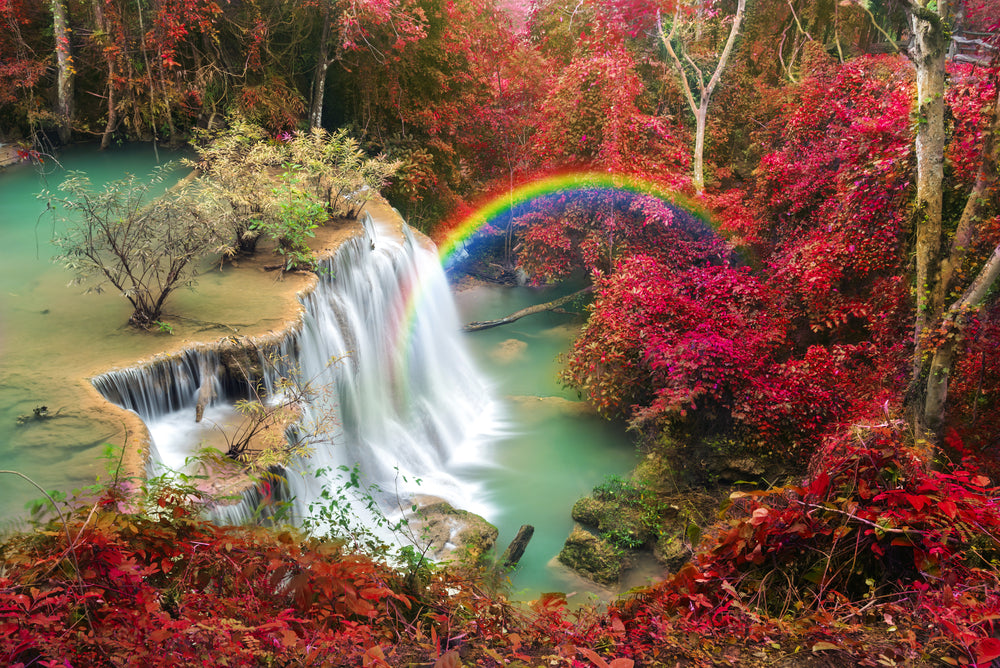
pixel 531 310
pixel 677 61
pixel 967 232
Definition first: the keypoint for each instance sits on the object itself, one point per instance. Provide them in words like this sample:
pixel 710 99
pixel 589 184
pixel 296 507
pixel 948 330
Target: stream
pixel 555 450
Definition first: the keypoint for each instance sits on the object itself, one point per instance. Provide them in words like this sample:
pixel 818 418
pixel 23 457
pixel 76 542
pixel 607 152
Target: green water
pixel 47 331
pixel 557 451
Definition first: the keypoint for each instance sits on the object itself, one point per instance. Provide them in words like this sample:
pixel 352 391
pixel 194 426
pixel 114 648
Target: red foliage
pixel 176 20
pixel 595 114
pixel 873 534
pixel 589 228
pixel 972 90
pixel 20 68
pixel 975 391
pixel 662 338
pixel 178 591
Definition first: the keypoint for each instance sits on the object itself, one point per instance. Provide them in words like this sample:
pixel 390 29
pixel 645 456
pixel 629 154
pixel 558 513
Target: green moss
pixel 592 556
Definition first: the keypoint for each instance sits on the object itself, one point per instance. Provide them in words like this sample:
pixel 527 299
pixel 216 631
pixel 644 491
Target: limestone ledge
pixel 328 240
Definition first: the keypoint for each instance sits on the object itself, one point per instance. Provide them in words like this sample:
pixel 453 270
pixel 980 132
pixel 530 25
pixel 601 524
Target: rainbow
pixel 500 206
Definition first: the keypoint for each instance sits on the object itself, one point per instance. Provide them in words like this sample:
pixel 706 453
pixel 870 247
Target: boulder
pixel 621 519
pixel 593 557
pixel 451 534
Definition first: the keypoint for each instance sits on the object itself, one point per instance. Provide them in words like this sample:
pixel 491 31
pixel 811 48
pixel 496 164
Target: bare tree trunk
pixel 109 127
pixel 516 549
pixel 955 322
pixel 699 107
pixel 109 59
pixel 323 61
pixel 930 417
pixel 930 44
pixel 64 63
pixel 700 120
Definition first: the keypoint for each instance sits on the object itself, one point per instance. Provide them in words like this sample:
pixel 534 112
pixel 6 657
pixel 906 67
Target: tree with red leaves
pixel 598 114
pixel 21 68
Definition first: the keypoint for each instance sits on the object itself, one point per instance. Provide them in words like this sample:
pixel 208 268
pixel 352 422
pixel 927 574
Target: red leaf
pixel 987 649
pixel 948 508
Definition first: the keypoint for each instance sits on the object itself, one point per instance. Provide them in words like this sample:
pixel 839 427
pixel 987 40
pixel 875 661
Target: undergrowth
pixel 874 559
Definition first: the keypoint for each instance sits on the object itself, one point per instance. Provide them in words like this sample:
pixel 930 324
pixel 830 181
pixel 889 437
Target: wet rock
pixel 451 534
pixel 593 557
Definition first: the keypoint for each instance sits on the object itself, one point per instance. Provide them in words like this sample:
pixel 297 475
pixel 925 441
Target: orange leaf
pixel 374 658
pixel 594 657
pixel 449 660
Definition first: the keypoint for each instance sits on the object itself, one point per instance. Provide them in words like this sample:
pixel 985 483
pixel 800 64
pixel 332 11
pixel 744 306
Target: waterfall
pixel 379 354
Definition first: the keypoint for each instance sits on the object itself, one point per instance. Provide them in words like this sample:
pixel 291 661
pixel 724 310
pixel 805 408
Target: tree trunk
pixel 109 59
pixel 65 75
pixel 928 52
pixel 322 67
pixel 700 119
pixel 699 107
pixel 943 359
pixel 929 418
pixel 109 127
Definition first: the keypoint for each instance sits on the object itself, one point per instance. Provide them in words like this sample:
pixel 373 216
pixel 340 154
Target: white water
pixel 392 388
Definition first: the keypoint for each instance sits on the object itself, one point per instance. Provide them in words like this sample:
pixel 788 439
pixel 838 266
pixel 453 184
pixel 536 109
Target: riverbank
pixel 8 155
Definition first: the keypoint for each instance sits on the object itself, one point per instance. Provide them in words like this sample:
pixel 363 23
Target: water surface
pixel 53 337
pixel 557 450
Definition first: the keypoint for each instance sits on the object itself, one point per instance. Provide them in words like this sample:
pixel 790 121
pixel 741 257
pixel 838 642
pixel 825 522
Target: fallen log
pixel 515 550
pixel 531 310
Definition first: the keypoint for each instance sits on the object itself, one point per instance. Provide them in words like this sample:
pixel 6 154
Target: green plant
pixel 629 512
pixel 298 215
pixel 145 247
pixel 337 171
pixel 616 488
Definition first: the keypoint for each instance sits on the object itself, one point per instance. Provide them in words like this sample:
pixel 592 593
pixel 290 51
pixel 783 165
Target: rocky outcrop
pixel 451 534
pixel 628 524
pixel 593 557
pixel 8 155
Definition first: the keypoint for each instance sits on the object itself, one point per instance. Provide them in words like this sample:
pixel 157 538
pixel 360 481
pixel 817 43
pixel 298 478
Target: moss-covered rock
pixel 589 511
pixel 672 549
pixel 452 533
pixel 623 522
pixel 593 557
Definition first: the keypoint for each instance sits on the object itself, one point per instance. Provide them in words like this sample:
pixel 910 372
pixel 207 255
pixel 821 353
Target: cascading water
pixel 390 386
